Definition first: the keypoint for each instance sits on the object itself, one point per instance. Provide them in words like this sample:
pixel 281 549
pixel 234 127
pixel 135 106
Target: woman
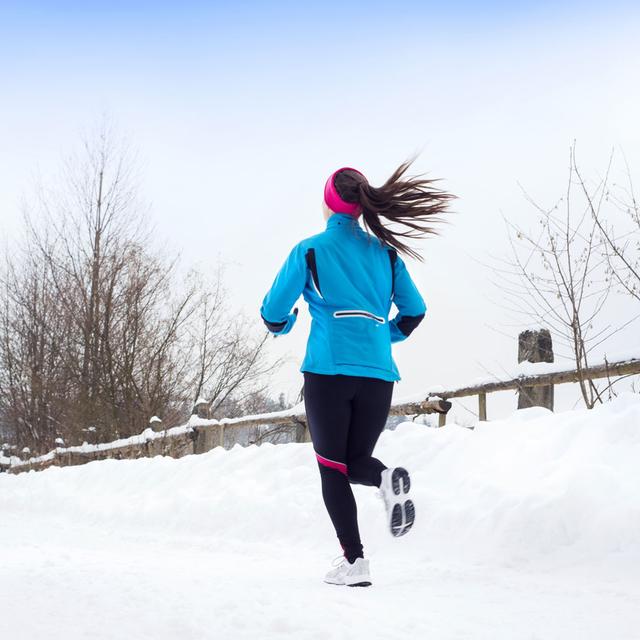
pixel 349 278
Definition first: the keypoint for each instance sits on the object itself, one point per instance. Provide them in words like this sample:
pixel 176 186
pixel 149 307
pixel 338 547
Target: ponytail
pixel 412 202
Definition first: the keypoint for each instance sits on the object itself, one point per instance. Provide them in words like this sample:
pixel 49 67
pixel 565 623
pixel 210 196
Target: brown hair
pixel 412 201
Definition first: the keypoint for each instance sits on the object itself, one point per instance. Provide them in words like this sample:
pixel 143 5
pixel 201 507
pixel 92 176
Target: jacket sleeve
pixel 285 290
pixel 410 304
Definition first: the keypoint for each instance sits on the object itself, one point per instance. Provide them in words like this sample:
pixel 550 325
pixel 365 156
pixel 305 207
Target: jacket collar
pixel 345 220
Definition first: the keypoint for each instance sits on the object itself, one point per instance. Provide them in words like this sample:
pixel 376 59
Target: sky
pixel 240 111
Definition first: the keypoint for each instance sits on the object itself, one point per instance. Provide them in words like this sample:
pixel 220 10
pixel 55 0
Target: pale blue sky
pixel 239 114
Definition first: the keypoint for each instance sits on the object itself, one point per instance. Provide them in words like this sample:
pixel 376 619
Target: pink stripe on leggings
pixel 332 464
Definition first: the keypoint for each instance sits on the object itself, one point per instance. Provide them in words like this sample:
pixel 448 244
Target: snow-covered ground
pixel 526 528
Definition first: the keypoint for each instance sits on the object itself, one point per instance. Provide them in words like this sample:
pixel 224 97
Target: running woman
pixel 349 278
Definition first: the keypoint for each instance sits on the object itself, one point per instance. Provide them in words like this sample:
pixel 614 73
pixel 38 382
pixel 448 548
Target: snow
pixel 521 369
pixel 541 368
pixel 147 435
pixel 154 419
pixel 526 528
pixel 296 410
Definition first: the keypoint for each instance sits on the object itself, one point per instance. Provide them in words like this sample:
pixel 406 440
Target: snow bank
pixel 533 486
pixel 526 527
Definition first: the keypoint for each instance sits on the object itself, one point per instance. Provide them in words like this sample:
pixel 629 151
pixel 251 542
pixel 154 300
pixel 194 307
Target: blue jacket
pixel 349 278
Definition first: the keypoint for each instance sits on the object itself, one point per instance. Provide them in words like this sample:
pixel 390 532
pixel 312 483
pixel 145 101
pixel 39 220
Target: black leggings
pixel 346 415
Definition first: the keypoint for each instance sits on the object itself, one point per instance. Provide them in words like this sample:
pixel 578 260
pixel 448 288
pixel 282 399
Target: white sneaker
pixel 401 512
pixel 352 575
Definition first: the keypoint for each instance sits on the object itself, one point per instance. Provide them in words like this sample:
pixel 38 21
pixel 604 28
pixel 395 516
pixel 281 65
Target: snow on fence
pixel 549 376
pixel 197 436
pixel 200 434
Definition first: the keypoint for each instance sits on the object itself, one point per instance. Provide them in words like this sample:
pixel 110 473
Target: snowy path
pixel 529 528
pixel 134 589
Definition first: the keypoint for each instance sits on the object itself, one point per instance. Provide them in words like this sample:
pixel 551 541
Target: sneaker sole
pixel 400 481
pixel 362 583
pixel 403 513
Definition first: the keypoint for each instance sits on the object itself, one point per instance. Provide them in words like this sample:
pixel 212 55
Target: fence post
pixel 205 439
pixel 301 429
pixel 535 346
pixel 201 408
pixel 482 406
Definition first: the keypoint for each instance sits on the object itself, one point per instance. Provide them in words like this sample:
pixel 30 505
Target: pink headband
pixel 333 199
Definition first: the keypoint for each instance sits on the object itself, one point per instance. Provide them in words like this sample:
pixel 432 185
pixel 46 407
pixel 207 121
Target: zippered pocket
pixel 358 313
pixel 359 337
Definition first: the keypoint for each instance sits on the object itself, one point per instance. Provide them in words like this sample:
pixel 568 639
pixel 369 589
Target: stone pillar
pixel 155 423
pixel 535 346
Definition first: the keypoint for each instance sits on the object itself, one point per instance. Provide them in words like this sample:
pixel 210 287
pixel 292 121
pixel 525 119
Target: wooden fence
pixel 524 382
pixel 200 435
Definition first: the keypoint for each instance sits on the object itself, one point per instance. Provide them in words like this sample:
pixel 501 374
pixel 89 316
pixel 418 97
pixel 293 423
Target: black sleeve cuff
pixel 274 327
pixel 407 324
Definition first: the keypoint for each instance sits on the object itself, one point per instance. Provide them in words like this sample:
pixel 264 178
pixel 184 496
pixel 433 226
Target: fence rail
pixel 618 369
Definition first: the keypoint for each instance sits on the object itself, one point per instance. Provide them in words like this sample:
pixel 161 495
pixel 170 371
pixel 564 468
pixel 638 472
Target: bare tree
pixel 556 275
pixel 97 331
pixel 33 341
pixel 230 367
pixel 619 229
